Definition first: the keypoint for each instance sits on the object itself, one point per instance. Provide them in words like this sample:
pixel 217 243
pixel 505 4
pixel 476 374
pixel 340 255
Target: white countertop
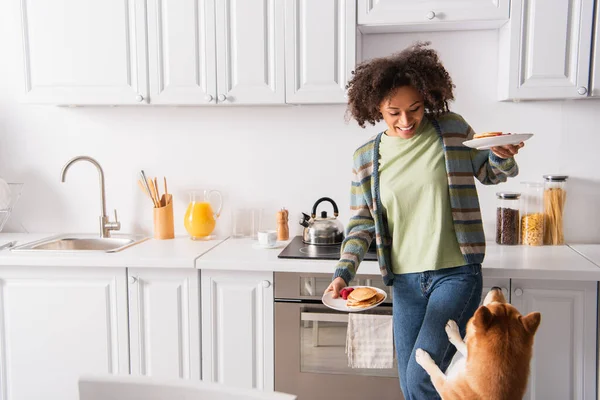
pixel 545 262
pixel 541 262
pixel 180 252
pixel 589 251
pixel 575 262
pixel 239 254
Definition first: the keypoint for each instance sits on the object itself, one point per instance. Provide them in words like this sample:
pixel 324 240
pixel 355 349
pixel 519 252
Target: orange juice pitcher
pixel 199 218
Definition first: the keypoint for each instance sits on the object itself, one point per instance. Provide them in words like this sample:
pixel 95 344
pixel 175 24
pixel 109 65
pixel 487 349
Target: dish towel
pixel 369 341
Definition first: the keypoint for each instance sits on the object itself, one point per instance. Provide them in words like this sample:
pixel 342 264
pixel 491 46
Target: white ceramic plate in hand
pixel 339 304
pixel 486 143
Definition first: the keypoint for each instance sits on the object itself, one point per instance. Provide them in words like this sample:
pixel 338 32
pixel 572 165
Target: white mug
pixel 267 238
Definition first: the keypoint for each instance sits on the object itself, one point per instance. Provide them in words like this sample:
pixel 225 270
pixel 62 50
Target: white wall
pixel 264 156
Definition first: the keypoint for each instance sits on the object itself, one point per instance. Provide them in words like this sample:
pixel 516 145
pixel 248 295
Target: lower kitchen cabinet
pixel 57 324
pixel 237 328
pixel 164 322
pixel 564 356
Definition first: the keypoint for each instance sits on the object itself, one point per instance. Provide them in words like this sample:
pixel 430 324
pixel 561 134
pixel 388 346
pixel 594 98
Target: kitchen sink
pixel 81 243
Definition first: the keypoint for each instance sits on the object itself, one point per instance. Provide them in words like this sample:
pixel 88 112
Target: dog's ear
pixel 482 318
pixel 531 322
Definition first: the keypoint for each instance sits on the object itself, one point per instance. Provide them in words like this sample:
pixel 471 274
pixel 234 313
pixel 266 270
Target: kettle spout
pixel 304 220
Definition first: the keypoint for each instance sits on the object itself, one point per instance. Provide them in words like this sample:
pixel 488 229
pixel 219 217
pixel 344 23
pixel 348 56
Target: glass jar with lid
pixel 507 217
pixel 555 196
pixel 532 214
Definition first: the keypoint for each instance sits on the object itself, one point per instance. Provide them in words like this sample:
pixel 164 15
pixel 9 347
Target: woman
pixel 414 193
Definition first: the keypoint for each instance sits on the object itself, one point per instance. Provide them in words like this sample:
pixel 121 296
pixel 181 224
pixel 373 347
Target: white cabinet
pixel 595 81
pixel 164 322
pixel 564 356
pixel 78 52
pixel 57 324
pixel 407 15
pixel 181 51
pixel 199 52
pixel 250 54
pixel 320 47
pixel 237 328
pixel 544 51
pixel 204 52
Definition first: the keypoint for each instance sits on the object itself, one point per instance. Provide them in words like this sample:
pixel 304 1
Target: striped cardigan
pixel 367 220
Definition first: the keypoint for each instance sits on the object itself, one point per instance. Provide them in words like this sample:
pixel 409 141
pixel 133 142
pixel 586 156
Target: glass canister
pixel 555 196
pixel 507 217
pixel 532 214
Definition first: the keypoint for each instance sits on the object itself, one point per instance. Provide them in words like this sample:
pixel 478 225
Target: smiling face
pixel 403 112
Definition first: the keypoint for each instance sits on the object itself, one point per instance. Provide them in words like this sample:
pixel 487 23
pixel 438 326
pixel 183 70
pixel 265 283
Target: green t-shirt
pixel 413 185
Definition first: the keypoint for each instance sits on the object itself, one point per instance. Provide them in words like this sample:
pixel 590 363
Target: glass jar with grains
pixel 532 214
pixel 507 218
pixel 555 197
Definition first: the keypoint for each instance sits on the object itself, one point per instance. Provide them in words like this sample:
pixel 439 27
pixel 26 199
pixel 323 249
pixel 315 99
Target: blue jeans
pixel 423 303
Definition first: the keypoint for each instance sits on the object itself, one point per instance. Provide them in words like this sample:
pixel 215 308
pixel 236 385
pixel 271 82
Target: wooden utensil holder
pixel 163 219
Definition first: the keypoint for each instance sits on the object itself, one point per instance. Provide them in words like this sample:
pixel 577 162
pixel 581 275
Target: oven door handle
pixel 323 317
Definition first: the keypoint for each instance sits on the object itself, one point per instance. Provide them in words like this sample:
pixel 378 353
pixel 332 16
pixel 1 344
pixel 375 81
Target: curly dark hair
pixel 376 80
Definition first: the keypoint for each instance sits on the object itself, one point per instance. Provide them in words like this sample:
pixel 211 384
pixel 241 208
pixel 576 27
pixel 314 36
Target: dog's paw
pixel 452 330
pixel 422 357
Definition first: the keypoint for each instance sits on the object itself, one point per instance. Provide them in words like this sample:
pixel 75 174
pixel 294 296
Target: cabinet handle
pixel 139 97
pixel 518 292
pixel 209 98
pixel 132 280
pixel 222 98
pixel 430 15
pixel 582 90
pixel 266 284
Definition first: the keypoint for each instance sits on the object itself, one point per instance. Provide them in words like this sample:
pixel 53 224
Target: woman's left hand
pixel 507 151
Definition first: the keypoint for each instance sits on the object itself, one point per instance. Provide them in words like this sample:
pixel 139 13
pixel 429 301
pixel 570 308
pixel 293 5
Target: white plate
pixel 339 304
pixel 261 246
pixel 486 143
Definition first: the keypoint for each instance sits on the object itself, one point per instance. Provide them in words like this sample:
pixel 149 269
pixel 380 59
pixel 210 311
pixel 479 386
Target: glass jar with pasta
pixel 532 214
pixel 555 197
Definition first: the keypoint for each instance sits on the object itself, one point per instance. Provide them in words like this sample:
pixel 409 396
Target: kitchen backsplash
pixel 266 157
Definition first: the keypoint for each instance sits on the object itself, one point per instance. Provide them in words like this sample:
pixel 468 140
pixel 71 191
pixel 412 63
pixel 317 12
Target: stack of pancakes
pixel 363 297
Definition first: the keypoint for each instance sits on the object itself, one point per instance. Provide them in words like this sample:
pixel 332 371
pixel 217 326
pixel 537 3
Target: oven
pixel 310 340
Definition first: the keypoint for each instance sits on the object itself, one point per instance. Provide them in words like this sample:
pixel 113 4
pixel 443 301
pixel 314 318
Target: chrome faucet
pixel 105 225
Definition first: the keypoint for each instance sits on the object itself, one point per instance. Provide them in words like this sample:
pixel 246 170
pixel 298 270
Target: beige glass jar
pixel 555 196
pixel 532 214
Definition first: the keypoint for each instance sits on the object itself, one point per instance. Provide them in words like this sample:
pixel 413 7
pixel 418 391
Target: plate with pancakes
pixel 359 298
pixel 486 140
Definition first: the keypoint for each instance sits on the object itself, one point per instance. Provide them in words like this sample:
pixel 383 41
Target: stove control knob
pixel 266 284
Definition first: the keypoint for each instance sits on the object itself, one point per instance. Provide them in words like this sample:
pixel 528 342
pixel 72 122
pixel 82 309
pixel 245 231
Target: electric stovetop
pixel 298 249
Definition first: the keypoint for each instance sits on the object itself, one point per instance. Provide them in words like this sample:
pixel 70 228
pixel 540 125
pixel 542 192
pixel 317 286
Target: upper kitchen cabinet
pixel 545 50
pixel 181 51
pixel 250 53
pixel 430 15
pixel 200 52
pixel 320 46
pixel 82 52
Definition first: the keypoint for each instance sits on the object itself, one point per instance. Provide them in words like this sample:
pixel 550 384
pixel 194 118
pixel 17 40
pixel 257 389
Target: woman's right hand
pixel 335 286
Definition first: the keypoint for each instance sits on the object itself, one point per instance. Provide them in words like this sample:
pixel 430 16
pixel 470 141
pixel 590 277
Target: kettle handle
pixel 335 207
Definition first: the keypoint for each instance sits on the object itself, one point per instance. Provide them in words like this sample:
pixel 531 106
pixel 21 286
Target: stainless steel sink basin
pixel 81 243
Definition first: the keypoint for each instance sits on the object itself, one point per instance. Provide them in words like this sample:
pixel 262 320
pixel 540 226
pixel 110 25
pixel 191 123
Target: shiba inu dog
pixel 496 354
